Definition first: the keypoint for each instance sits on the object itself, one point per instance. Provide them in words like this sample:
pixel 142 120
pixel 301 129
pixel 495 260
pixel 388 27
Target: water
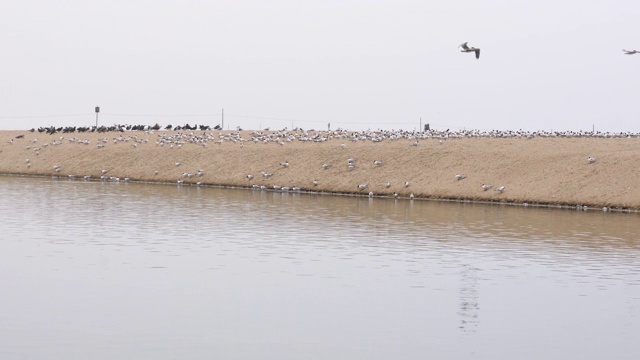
pixel 135 271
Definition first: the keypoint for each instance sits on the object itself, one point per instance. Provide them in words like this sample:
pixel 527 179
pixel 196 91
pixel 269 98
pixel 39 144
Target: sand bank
pixel 549 170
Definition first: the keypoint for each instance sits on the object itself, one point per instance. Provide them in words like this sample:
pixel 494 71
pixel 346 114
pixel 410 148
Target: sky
pixel 353 64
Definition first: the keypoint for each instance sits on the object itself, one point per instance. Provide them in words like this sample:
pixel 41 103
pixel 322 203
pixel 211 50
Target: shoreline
pixel 540 171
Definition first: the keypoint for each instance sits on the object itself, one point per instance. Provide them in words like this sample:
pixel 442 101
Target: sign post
pixel 97 112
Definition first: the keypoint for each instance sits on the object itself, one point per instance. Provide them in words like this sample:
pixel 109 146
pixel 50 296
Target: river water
pixel 93 270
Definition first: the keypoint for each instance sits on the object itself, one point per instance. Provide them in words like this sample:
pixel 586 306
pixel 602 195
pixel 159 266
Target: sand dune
pixel 536 171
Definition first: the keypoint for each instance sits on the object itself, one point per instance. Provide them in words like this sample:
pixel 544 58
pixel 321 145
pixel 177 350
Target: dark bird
pixel 630 52
pixel 466 49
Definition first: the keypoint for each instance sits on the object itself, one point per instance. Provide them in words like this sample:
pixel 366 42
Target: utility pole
pixel 97 112
pixel 222 118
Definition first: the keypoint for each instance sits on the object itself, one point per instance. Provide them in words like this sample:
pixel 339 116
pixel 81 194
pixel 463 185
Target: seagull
pixel 370 194
pixel 387 185
pixel 486 187
pixel 250 177
pixel 630 52
pixel 500 189
pixel 315 182
pixel 591 160
pixel 377 162
pixel 406 184
pixel 284 164
pixel 466 49
pixel 326 166
pixel 460 176
pixel 363 186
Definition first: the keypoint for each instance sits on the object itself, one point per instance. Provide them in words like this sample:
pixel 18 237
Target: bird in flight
pixel 466 48
pixel 630 52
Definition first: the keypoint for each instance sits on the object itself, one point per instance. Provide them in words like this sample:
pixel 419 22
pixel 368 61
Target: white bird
pixel 387 185
pixel 315 182
pixel 411 196
pixel 591 160
pixel 177 163
pixel 104 171
pixel 466 49
pixel 250 177
pixel 486 187
pixel 406 184
pixel 284 164
pixel 630 52
pixel 500 189
pixel 460 176
pixel 370 193
pixel 326 166
pixel 363 186
pixel 377 162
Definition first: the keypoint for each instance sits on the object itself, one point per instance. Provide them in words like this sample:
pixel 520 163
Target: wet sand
pixel 550 171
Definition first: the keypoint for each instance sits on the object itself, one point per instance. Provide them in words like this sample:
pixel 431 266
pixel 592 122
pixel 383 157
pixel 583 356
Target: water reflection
pixel 353 276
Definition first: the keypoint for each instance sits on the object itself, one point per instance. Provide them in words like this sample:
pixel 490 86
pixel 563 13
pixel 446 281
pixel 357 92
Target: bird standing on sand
pixel 486 187
pixel 466 49
pixel 460 176
pixel 591 160
pixel 500 189
pixel 630 52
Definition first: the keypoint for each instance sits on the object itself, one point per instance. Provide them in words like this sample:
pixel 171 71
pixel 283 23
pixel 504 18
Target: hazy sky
pixel 358 64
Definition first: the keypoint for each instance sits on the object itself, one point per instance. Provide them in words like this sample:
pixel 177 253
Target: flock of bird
pixel 176 140
pixel 470 49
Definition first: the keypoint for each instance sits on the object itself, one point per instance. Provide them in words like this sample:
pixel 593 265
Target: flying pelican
pixel 466 48
pixel 630 52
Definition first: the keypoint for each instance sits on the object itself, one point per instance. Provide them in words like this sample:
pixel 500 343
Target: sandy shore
pixel 551 171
